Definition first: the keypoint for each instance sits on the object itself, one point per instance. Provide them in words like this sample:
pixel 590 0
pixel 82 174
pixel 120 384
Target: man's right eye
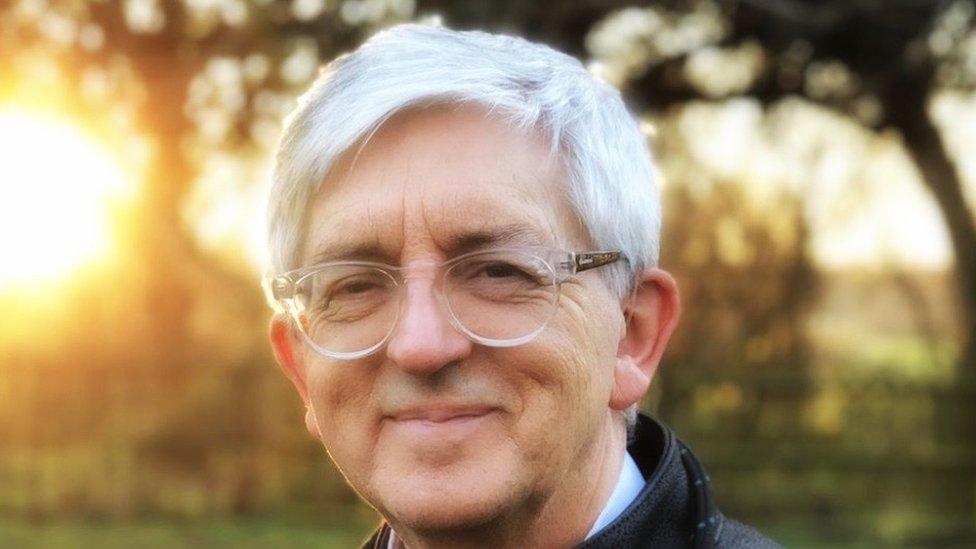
pixel 353 287
pixel 350 299
pixel 357 287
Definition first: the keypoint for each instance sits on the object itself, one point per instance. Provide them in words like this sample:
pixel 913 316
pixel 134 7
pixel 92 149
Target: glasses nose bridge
pixel 418 272
pixel 421 269
pixel 420 282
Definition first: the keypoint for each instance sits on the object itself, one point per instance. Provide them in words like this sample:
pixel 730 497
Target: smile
pixel 441 422
pixel 441 414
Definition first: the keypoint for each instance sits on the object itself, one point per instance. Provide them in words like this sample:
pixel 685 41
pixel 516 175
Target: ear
pixel 651 317
pixel 285 342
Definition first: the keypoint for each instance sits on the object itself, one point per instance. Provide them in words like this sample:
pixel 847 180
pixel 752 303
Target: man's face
pixel 434 430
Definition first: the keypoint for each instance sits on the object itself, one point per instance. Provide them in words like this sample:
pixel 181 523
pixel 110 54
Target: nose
pixel 424 340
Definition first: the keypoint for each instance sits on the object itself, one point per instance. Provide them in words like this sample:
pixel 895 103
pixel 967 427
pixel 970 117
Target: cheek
pixel 341 395
pixel 584 339
pixel 567 371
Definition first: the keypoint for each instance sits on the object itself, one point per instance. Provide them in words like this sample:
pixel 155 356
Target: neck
pixel 560 518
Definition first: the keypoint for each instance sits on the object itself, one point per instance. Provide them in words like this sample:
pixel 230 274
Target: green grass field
pixel 150 534
pixel 272 532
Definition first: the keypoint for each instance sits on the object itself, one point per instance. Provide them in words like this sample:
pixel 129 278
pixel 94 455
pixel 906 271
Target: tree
pixel 886 53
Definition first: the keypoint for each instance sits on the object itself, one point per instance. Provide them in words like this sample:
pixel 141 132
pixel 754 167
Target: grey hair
pixel 611 183
pixel 630 421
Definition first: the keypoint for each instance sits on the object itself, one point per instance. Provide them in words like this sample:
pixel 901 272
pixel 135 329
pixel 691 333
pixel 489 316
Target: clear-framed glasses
pixel 500 297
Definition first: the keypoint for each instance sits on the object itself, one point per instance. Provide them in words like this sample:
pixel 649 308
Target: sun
pixel 56 188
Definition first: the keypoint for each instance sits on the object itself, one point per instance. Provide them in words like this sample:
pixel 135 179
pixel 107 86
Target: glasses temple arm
pixel 591 260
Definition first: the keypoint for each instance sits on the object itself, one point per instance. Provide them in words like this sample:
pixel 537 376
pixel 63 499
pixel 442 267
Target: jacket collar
pixel 664 512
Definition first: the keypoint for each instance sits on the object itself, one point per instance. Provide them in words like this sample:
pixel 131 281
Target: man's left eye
pixel 500 270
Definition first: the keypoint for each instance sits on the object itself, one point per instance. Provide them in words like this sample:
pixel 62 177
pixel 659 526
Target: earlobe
pixel 651 317
pixel 629 384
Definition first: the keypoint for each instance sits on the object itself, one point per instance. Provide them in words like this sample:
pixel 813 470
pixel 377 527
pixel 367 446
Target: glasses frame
pixel 281 290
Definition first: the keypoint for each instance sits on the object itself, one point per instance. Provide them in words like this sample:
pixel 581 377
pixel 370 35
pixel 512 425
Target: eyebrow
pixel 498 236
pixel 352 251
pixel 492 237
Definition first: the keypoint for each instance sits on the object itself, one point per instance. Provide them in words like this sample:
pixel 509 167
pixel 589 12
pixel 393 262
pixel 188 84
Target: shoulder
pixel 733 535
pixel 681 488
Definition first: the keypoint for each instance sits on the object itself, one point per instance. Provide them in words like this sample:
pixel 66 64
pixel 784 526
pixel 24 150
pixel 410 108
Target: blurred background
pixel 820 199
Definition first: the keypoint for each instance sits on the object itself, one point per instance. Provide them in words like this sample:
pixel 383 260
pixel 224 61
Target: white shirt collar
pixel 629 484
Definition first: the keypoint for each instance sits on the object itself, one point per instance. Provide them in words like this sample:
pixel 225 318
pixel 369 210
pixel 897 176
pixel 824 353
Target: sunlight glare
pixel 56 188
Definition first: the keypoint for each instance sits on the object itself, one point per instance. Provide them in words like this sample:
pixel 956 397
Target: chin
pixel 448 511
pixel 433 493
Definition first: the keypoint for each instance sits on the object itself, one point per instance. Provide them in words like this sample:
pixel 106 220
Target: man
pixel 464 230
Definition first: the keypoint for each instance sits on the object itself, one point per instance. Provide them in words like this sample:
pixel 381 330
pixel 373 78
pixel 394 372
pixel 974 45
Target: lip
pixel 435 414
pixel 440 432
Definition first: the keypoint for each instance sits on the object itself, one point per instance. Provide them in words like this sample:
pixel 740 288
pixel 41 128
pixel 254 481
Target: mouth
pixel 441 414
pixel 442 423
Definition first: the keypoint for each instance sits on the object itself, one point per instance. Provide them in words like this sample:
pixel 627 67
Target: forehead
pixel 436 180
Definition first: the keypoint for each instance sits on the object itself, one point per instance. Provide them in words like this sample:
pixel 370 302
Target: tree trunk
pixel 906 102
